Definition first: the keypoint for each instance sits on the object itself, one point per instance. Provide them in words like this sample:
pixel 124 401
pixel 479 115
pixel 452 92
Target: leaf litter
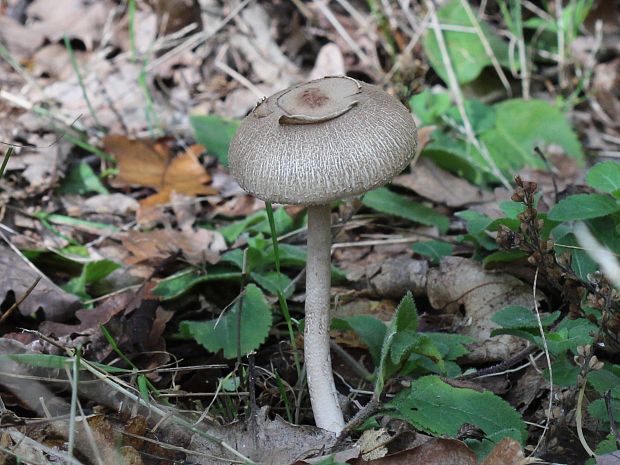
pixel 110 230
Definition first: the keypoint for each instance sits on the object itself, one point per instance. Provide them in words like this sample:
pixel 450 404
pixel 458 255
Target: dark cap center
pixel 313 97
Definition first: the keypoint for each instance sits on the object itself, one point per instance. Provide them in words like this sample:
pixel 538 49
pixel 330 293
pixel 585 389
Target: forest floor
pixel 147 316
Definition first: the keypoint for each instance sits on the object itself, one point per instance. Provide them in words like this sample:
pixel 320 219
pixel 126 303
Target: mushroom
pixel 311 144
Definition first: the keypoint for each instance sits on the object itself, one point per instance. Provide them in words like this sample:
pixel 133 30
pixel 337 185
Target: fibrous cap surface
pixel 322 140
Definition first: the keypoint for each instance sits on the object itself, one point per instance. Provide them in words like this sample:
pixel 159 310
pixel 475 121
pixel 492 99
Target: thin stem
pixel 323 395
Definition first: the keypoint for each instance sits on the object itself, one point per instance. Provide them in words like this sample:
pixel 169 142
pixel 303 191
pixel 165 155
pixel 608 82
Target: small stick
pixel 17 303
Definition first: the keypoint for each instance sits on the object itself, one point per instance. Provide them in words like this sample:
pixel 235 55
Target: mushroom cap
pixel 320 141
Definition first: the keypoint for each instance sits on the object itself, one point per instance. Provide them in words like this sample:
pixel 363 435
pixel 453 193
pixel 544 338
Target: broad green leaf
pixel 386 201
pixel 520 126
pixel 476 222
pixel 181 282
pixel 222 334
pixel 466 51
pixel 604 380
pixel 604 176
pixel 583 207
pixel 516 316
pixel 435 250
pixel 598 410
pixel 481 116
pixel 511 209
pixel 215 133
pixel 564 372
pixel 430 106
pixel 273 282
pixel 368 328
pixel 568 335
pixel 451 346
pixel 440 409
pixel 81 180
pixel 454 155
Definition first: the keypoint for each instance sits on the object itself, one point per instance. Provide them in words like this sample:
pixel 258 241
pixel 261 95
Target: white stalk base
pixel 323 395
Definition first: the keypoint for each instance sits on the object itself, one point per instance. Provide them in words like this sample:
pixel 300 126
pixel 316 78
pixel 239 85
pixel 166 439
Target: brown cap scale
pixel 311 144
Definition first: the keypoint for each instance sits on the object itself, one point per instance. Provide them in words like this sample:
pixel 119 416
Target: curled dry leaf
pixel 463 282
pixel 142 163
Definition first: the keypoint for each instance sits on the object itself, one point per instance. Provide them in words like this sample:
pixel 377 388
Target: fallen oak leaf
pixel 148 164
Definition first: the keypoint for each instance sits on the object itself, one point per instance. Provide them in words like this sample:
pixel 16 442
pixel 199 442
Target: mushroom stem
pixel 323 395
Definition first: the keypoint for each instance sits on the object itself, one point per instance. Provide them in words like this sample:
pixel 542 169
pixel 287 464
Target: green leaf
pixel 454 155
pixel 92 272
pixel 273 282
pixel 564 372
pixel 402 340
pixel 221 334
pixel 516 316
pixel 451 346
pixel 55 361
pixel 440 409
pixel 475 222
pixel 502 256
pixel 430 106
pixel 434 250
pixel 385 201
pixel 368 328
pixel 520 126
pixel 466 51
pixel 82 180
pixel 604 176
pixel 215 133
pixel 258 223
pixel 604 380
pixel 481 116
pixel 598 410
pixel 583 207
pixel 181 282
pixel 581 262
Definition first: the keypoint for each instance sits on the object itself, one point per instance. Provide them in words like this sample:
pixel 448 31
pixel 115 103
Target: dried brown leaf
pixel 434 452
pixel 440 186
pixel 197 245
pixel 462 282
pixel 508 452
pixel 147 164
pixel 263 440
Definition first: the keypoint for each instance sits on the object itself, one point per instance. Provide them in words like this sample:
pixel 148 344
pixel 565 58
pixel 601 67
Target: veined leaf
pixel 224 333
pixel 438 408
